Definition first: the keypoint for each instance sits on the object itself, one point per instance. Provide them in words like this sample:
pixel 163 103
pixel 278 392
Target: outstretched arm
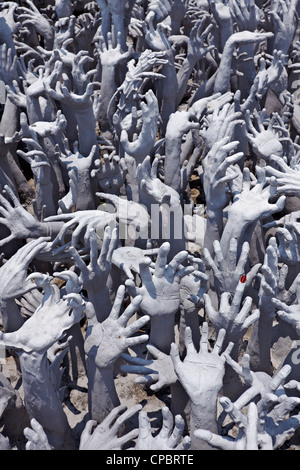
pixel 14 283
pixel 244 212
pixel 160 293
pixel 104 343
pixel 49 323
pixel 201 375
pixel 94 276
pixel 224 71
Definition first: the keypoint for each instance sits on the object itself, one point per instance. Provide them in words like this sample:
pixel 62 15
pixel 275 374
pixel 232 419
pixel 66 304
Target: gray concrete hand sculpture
pixel 160 294
pixel 169 438
pixel 104 436
pixel 201 374
pixel 149 224
pixel 36 437
pixel 157 372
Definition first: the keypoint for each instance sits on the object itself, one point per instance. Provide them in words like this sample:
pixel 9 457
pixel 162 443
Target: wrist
pixel 46 229
pixel 83 173
pixel 173 135
pixel 214 213
pixel 83 109
pixel 204 413
pixel 169 54
pixel 101 302
pixel 214 226
pixel 236 216
pixel 162 332
pixel 41 229
pixel 49 230
pixel 190 62
pixel 102 393
pixel 108 69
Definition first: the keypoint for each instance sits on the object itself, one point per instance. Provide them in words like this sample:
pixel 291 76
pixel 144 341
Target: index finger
pixel 77 258
pixel 105 246
pixel 115 311
pixel 161 261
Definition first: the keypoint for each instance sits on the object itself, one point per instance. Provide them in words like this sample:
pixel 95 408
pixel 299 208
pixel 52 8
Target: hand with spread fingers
pixel 143 144
pixel 228 269
pixel 48 324
pixel 289 313
pixel 201 374
pixel 160 292
pixel 233 315
pixel 105 436
pixel 157 372
pixel 94 275
pixel 107 340
pixel 170 436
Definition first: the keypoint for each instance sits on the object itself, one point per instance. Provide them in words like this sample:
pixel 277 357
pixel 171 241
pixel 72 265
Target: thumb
pixel 124 137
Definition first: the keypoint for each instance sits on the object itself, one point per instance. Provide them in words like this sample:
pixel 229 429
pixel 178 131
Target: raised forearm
pixel 71 127
pixel 44 199
pixel 169 91
pixel 119 27
pixel 9 163
pixel 10 315
pixel 106 19
pixel 10 119
pixel 101 302
pixel 162 332
pixel 206 89
pixel 108 83
pixel 86 125
pixel 183 76
pixel 85 200
pixel 49 148
pixel 260 341
pixel 41 398
pixel 191 320
pixel 226 30
pixel 222 80
pixel 203 416
pixel 247 68
pixel 214 227
pixel 33 108
pixel 102 395
pixel 108 88
pixel 172 160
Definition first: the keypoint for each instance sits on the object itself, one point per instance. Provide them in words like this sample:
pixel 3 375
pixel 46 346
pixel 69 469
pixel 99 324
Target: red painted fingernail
pixel 243 278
